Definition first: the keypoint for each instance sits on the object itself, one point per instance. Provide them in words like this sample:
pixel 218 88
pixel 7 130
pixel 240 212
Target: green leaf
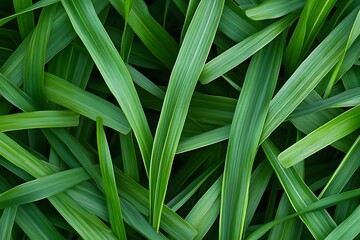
pixel 243 50
pixel 179 200
pixel 145 83
pixel 348 229
pixel 171 223
pixel 43 187
pixel 330 132
pixel 129 158
pixel 245 132
pixel 320 204
pixel 25 21
pixel 128 35
pixel 90 30
pixel 35 224
pixel 39 119
pixel 7 221
pixel 137 221
pixel 155 38
pixel 191 8
pixel 273 9
pixel 206 210
pixel 15 96
pixel 308 75
pixel 182 82
pixel 85 223
pixel 34 61
pixel 348 98
pixel 61 35
pixel 354 33
pixel 260 179
pixel 37 5
pixel 311 19
pixel 235 24
pixel 319 223
pixel 350 79
pixel 344 171
pixel 309 122
pixel 108 176
pixel 204 139
pixel 85 103
pixel 73 64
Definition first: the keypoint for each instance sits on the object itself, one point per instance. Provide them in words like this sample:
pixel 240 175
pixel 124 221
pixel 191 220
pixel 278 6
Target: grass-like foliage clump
pixel 182 119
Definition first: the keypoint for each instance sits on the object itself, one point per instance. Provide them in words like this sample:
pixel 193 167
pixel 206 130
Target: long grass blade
pixel 154 37
pixel 182 82
pixel 90 30
pixel 39 119
pixel 311 19
pixel 206 210
pixel 41 188
pixel 37 5
pixel 35 224
pixel 129 156
pixel 35 56
pixel 273 9
pixel 344 171
pixel 299 85
pixel 25 21
pixel 108 176
pixel 85 103
pixel 332 131
pixel 321 204
pixel 243 50
pixel 7 222
pixel 348 229
pixel 319 223
pixel 245 131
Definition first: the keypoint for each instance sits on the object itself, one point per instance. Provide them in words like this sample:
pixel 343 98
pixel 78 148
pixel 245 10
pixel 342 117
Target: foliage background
pixel 183 119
